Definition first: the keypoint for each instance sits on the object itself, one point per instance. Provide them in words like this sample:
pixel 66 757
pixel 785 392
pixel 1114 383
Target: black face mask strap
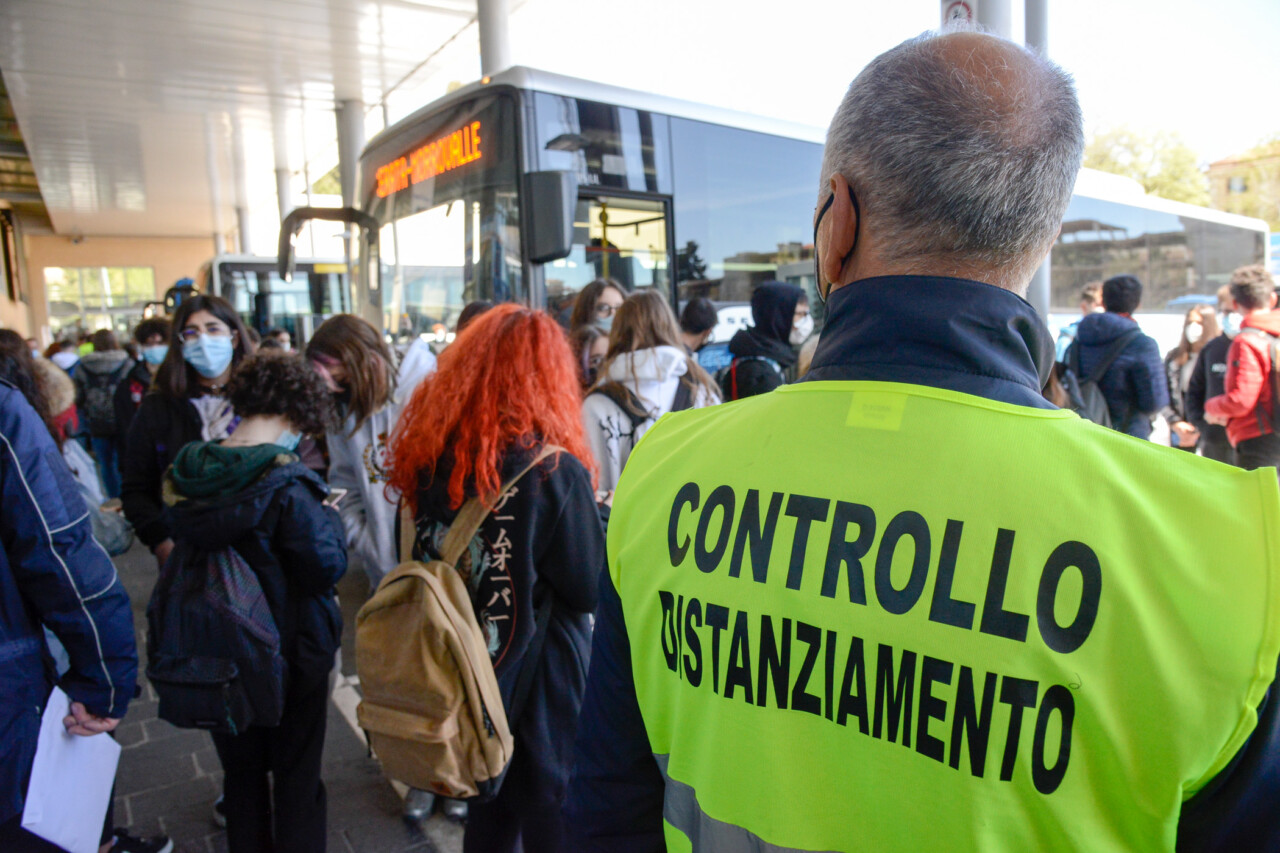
pixel 857 230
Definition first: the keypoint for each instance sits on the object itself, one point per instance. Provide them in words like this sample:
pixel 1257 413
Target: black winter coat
pixel 1208 380
pixel 160 429
pixel 545 539
pixel 294 544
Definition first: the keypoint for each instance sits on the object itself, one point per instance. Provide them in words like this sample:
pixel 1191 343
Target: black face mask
pixel 342 399
pixel 857 229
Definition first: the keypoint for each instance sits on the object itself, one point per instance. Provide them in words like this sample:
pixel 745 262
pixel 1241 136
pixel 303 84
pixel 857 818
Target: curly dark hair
pixel 279 383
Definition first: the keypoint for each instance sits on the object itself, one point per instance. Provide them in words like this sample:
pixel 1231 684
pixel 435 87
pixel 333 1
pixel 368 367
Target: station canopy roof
pixel 162 117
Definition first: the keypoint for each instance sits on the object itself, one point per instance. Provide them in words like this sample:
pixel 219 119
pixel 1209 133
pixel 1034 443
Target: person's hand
pixel 1217 420
pixel 1187 434
pixel 163 550
pixel 81 722
pixel 604 498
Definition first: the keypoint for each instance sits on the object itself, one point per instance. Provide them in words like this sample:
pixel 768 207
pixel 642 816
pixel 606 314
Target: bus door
pixel 623 236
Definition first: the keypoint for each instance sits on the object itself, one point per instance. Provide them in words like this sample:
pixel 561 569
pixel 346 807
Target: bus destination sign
pixel 441 155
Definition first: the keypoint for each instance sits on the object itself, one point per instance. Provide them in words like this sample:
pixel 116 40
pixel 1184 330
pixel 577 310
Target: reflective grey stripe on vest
pixel 707 835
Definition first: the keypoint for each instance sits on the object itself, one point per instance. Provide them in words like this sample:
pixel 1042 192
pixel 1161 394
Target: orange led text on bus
pixel 435 158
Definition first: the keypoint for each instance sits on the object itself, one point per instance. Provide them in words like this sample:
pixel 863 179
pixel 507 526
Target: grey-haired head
pixel 962 149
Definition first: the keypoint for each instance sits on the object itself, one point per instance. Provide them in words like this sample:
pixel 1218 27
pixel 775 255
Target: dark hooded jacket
pixel 1134 386
pixel 773 309
pixel 267 505
pixel 544 540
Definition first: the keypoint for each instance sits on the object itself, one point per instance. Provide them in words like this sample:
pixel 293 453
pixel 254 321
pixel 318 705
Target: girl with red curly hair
pixel 504 390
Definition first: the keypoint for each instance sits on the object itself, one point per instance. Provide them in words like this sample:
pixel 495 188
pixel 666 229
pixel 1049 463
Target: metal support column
pixel 242 228
pixel 1037 26
pixel 1037 39
pixel 995 15
pixel 284 191
pixel 495 38
pixel 350 115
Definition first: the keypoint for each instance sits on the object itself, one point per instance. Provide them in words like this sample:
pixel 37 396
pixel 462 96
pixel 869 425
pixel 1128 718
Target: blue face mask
pixel 289 440
pixel 1231 324
pixel 605 324
pixel 155 353
pixel 209 354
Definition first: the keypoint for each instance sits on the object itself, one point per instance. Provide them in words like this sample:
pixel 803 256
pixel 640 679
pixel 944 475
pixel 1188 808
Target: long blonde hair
pixel 645 321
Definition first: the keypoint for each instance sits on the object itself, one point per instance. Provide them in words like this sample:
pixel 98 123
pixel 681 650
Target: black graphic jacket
pixel 544 539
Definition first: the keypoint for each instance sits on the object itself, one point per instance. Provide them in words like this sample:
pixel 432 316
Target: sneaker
pixel 126 843
pixel 418 804
pixel 220 811
pixel 453 809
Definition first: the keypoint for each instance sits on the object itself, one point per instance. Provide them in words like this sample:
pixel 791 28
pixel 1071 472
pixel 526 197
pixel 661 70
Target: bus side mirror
pixel 286 256
pixel 551 200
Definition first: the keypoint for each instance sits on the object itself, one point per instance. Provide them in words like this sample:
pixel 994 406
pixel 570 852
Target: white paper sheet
pixel 70 782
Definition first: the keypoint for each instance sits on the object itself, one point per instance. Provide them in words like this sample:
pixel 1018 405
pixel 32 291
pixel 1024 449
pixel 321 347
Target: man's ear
pixel 1273 300
pixel 837 231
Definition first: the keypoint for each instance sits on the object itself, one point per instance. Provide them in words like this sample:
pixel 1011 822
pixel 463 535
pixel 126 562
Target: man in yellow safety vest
pixel 907 604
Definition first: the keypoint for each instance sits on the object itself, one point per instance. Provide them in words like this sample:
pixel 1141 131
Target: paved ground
pixel 169 777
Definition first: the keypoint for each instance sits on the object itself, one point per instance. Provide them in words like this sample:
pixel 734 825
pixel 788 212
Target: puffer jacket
pixel 51 572
pixel 1246 400
pixel 1134 386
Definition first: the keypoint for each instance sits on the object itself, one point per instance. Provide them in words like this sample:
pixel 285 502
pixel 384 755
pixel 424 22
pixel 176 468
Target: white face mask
pixel 801 330
pixel 1194 332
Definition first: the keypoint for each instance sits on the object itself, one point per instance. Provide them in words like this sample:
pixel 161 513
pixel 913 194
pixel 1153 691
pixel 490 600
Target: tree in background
pixel 1159 160
pixel 689 264
pixel 1250 184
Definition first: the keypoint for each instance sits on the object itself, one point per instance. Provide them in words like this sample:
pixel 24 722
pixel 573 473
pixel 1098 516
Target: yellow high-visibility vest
pixel 878 616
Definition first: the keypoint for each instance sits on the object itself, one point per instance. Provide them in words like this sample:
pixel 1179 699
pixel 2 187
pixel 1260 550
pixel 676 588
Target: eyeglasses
pixel 192 334
pixel 604 309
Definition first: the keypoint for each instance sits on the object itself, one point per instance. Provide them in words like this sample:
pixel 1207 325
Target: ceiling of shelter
pixel 161 117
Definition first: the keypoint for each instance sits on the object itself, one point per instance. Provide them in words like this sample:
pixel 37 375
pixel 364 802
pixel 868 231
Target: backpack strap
pixel 474 512
pixel 1108 358
pixel 468 520
pixel 624 398
pixel 684 395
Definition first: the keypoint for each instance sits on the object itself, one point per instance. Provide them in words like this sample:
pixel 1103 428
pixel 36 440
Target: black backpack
pixel 99 398
pixel 1087 399
pixel 1267 420
pixel 213 647
pixel 727 377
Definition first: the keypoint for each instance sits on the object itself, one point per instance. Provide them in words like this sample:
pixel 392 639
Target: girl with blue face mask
pixel 184 402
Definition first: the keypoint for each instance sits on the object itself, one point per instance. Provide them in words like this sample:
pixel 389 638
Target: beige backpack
pixel 431 706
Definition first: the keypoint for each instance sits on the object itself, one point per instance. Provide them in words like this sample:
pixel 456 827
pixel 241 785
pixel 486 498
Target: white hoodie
pixel 654 376
pixel 357 465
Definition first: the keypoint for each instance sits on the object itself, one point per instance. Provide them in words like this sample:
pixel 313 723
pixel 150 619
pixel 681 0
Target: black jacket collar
pixel 948 333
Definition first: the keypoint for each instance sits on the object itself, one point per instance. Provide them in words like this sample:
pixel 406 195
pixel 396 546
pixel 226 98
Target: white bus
pixel 528 185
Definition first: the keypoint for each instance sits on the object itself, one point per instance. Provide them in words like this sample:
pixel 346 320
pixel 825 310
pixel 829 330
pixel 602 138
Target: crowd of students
pixel 215 439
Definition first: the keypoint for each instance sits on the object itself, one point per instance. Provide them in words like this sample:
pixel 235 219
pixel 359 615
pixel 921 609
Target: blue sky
pixel 1207 70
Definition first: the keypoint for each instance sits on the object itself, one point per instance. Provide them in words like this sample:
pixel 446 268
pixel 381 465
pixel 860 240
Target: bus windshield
pixel 448 205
